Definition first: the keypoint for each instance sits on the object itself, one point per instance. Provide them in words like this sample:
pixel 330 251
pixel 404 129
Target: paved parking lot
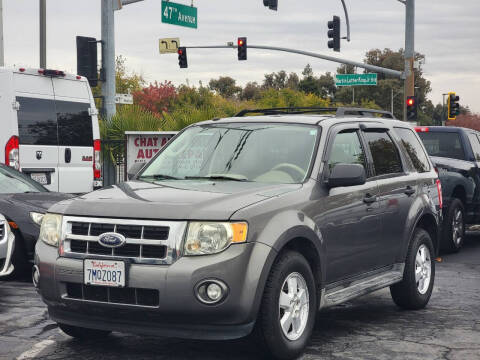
pixel 371 327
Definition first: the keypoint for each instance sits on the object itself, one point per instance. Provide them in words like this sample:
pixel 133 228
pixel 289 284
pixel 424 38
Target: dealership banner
pixel 142 146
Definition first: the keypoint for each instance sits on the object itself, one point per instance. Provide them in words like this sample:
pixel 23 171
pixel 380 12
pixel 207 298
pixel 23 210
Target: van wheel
pixel 83 333
pixel 289 305
pixel 414 291
pixel 454 227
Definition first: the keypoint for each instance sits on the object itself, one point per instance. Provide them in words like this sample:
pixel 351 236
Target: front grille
pixel 2 231
pixel 151 242
pixel 126 296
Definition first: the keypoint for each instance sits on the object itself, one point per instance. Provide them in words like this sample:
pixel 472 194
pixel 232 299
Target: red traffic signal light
pixel 242 48
pixel 412 108
pixel 182 57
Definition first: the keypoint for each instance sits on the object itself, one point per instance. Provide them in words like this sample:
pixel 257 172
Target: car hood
pixel 41 200
pixel 172 200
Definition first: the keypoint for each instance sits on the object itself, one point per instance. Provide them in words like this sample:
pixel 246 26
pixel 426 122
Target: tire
pixel 83 333
pixel 275 342
pixel 453 233
pixel 409 293
pixel 22 268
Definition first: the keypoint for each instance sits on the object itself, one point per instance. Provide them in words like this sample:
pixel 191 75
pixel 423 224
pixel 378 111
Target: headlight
pixel 205 238
pixel 51 229
pixel 36 217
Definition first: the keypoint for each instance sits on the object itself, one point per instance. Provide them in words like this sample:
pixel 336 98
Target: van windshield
pixel 54 122
pixel 259 152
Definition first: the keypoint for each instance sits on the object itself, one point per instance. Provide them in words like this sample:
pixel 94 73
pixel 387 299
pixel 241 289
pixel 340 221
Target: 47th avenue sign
pixel 356 79
pixel 179 14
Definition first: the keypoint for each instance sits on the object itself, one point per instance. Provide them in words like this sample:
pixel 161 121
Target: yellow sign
pixel 169 45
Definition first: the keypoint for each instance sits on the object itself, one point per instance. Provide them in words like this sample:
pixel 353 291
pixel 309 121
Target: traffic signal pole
pixel 108 58
pixel 409 52
pixel 373 68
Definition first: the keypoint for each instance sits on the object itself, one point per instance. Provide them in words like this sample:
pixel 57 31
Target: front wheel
pixel 414 291
pixel 83 333
pixel 288 310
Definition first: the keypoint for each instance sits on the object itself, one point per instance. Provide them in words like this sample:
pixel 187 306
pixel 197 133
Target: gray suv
pixel 247 226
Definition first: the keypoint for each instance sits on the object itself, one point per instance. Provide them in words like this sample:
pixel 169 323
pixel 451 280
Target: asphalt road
pixel 371 327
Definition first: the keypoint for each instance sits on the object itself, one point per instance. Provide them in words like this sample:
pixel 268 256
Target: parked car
pixel 7 244
pixel 455 152
pixel 50 128
pixel 247 226
pixel 23 202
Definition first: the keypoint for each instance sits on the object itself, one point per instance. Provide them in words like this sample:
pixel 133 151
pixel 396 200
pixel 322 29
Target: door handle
pixel 68 155
pixel 409 191
pixel 369 199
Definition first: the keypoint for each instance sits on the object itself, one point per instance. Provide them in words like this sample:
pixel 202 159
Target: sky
pixel 447 32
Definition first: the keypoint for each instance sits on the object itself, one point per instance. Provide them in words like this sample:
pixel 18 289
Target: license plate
pixel 104 273
pixel 40 178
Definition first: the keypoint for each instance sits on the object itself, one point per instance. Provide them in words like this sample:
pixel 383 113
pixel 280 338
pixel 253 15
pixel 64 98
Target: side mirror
pixel 134 169
pixel 347 175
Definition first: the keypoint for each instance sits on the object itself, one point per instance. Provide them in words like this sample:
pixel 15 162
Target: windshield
pixel 266 153
pixel 443 144
pixel 13 182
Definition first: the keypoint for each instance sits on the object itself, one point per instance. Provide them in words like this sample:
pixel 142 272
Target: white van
pixel 49 128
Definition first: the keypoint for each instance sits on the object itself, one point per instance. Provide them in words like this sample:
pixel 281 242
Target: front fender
pixel 277 233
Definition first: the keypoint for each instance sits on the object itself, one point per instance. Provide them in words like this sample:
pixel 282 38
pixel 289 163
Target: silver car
pixel 7 243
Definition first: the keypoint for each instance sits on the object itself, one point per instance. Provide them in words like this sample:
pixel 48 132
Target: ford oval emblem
pixel 111 240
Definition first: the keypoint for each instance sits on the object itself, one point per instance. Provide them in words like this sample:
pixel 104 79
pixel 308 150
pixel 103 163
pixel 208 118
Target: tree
pixel 323 86
pixel 156 98
pixel 251 91
pixel 225 86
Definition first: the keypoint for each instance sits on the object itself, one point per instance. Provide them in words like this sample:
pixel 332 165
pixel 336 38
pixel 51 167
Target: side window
pixel 475 146
pixel 37 122
pixel 414 149
pixel 386 158
pixel 74 124
pixel 346 149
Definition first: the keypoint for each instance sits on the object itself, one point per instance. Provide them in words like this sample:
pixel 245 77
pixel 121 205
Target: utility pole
pixel 2 55
pixel 409 53
pixel 43 34
pixel 108 53
pixel 108 58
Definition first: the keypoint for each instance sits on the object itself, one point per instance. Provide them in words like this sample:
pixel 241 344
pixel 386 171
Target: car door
pixel 75 136
pixel 349 220
pixel 38 142
pixel 397 186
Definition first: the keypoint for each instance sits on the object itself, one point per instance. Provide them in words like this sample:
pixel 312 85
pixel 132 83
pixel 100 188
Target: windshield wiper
pixel 215 177
pixel 160 177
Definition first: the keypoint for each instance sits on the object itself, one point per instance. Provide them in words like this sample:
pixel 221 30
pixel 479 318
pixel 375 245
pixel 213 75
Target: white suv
pixel 50 128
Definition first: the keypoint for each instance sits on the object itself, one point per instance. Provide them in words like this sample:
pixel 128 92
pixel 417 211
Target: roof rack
pixel 339 112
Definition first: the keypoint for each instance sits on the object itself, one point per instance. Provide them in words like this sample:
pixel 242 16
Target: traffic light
pixel 182 57
pixel 411 108
pixel 271 4
pixel 242 48
pixel 334 34
pixel 453 106
pixel 87 59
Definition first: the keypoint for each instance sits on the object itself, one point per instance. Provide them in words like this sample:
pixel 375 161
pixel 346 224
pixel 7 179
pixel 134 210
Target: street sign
pixel 169 45
pixel 179 14
pixel 356 79
pixel 124 99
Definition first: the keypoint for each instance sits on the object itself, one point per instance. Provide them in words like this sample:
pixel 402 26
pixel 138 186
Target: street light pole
pixel 108 58
pixel 2 55
pixel 43 34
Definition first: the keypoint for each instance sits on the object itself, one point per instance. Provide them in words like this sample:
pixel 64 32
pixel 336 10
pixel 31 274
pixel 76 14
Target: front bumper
pixel 7 245
pixel 178 313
